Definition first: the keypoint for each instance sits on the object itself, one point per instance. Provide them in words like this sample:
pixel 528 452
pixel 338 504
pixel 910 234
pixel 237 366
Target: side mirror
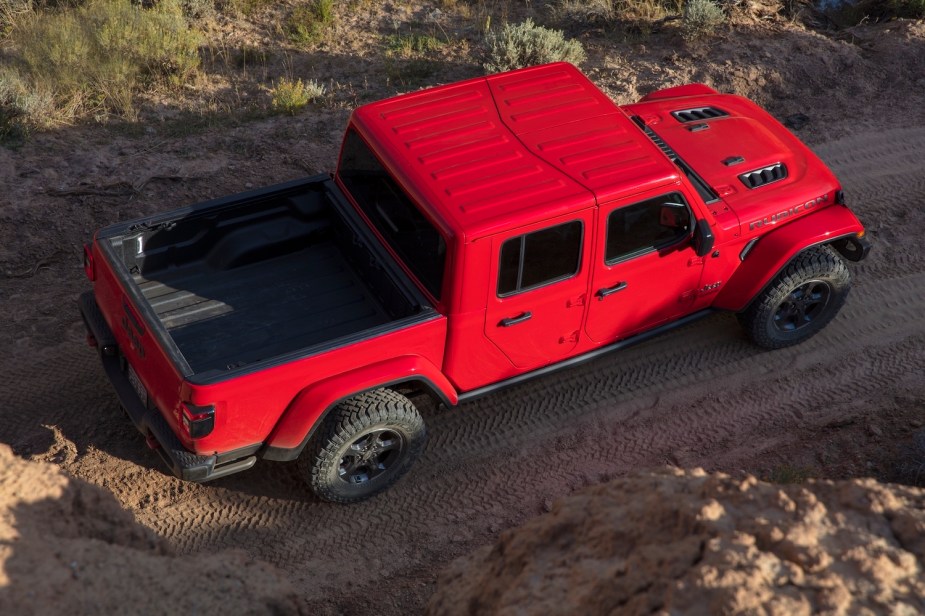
pixel 674 216
pixel 703 238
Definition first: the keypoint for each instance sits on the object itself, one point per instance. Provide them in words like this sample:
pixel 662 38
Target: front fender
pixel 691 89
pixel 309 407
pixel 776 249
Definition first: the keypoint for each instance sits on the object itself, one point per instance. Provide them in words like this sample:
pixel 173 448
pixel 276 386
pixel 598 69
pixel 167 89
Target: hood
pixel 756 167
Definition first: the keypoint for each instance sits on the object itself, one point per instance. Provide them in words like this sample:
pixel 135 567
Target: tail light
pixel 198 421
pixel 89 269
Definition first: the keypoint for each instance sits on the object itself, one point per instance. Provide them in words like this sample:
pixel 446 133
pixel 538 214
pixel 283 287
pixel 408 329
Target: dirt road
pixel 701 396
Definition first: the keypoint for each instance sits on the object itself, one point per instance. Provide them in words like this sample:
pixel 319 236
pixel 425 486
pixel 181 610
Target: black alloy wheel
pixel 799 301
pixel 364 445
pixel 371 455
pixel 802 305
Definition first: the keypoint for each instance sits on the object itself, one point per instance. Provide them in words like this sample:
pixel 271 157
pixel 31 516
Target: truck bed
pixel 266 276
pixel 224 318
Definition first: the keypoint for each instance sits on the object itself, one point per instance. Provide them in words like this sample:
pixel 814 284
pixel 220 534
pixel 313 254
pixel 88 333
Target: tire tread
pixel 817 262
pixel 349 418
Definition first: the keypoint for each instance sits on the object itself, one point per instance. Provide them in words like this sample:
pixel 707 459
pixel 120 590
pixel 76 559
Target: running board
pixel 586 357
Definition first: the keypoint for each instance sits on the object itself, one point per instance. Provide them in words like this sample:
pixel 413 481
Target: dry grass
pixel 94 60
pixel 309 23
pixel 407 45
pixel 612 11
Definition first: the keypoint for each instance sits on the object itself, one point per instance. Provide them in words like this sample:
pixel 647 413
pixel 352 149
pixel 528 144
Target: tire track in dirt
pixel 694 397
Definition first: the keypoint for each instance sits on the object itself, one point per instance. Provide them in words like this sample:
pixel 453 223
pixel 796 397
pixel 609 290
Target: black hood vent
pixel 698 114
pixel 706 193
pixel 765 175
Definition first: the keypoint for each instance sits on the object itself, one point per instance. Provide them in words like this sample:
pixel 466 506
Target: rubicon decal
pixel 797 209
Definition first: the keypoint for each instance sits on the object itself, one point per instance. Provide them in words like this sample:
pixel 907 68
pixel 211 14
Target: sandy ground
pixel 844 404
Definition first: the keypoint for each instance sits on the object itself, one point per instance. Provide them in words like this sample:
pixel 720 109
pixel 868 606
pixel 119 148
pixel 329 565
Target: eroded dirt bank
pixel 68 547
pixel 675 542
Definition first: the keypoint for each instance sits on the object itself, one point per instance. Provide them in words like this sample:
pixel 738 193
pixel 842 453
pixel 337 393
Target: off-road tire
pixel 800 301
pixel 342 464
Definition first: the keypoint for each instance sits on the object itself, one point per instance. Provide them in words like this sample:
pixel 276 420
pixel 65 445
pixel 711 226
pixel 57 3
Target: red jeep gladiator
pixel 473 236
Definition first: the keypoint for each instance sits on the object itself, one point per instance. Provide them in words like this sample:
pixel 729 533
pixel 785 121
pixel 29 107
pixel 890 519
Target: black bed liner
pixel 249 278
pixel 264 309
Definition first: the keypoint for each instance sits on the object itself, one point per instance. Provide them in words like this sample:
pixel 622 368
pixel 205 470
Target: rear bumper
pixel 149 421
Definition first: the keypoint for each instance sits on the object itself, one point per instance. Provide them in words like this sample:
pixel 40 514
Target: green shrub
pixel 308 23
pixel 701 18
pixel 290 96
pixel 94 59
pixel 527 44
pixel 409 44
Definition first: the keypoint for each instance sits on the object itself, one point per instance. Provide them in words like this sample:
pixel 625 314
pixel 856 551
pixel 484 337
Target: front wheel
pixel 803 298
pixel 364 446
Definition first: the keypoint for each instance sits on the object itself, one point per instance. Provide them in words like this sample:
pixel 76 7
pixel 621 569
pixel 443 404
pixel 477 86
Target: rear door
pixel 645 270
pixel 537 289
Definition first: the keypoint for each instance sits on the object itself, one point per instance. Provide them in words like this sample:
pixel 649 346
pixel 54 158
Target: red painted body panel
pixel 248 407
pixel 651 297
pixel 557 309
pixel 450 150
pixel 691 89
pixel 495 157
pixel 154 368
pixel 256 402
pixel 775 249
pixel 301 416
pixel 748 132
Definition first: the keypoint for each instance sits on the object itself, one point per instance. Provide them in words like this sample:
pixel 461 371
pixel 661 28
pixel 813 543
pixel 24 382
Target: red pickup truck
pixel 473 236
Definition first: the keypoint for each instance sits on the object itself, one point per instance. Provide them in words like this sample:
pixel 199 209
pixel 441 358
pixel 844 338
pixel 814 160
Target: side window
pixel 655 223
pixel 535 259
pixel 416 240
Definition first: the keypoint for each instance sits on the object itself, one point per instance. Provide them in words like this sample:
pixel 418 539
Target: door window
pixel 535 259
pixel 648 225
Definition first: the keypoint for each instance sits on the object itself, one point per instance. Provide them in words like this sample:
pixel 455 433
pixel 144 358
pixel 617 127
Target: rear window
pixel 391 210
pixel 539 258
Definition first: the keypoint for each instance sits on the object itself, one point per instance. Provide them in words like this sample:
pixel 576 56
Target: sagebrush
pixel 527 44
pixel 701 18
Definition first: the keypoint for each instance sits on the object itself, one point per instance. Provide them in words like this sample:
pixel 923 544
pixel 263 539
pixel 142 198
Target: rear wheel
pixel 364 446
pixel 803 298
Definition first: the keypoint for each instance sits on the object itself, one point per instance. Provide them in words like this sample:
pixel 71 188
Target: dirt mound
pixel 68 547
pixel 692 543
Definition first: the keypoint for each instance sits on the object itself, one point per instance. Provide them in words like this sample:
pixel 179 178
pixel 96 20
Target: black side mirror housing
pixel 703 238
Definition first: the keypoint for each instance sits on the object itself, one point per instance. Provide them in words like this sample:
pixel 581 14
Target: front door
pixel 537 290
pixel 645 271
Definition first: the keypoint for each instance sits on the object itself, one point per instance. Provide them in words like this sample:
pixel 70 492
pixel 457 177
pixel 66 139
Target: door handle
pixel 602 293
pixel 515 320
